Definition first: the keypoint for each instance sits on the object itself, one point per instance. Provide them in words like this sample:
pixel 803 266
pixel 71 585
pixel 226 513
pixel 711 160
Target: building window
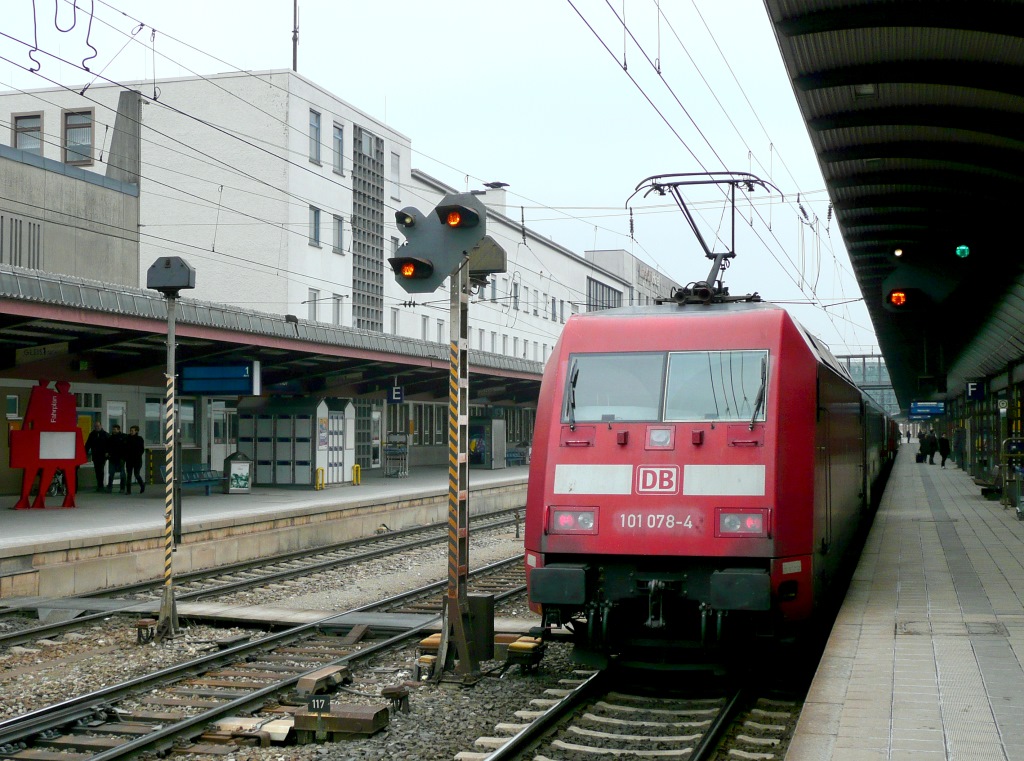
pixel 187 422
pixel 314 226
pixel 314 299
pixel 314 136
pixel 602 296
pixel 339 149
pixel 561 312
pixel 395 245
pixel 336 308
pixel 441 337
pixel 77 139
pixel 28 133
pixel 515 295
pixel 480 342
pixel 338 244
pixel 440 423
pixel 494 342
pixel 504 344
pixel 396 175
pixel 424 322
pixel 394 322
pixel 554 309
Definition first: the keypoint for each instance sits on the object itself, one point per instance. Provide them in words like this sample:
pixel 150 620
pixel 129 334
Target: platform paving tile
pixel 845 740
pixel 856 754
pixel 809 746
pixel 931 633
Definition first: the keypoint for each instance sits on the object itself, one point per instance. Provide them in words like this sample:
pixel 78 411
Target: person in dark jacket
pixel 932 443
pixel 115 453
pixel 944 449
pixel 96 448
pixel 135 449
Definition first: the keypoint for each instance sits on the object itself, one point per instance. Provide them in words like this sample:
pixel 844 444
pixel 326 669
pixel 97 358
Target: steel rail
pixel 535 730
pixel 48 630
pixel 91 704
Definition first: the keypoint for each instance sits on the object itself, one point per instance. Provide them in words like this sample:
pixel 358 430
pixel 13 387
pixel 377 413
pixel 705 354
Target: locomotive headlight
pixel 572 520
pixel 738 522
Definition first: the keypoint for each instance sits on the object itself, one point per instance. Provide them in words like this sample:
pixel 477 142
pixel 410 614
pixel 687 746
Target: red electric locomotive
pixel 699 471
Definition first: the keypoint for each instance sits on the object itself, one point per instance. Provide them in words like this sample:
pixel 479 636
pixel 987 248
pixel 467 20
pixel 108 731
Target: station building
pixel 282 197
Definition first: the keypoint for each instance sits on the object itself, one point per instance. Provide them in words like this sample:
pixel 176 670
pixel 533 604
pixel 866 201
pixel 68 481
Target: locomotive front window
pixel 716 385
pixel 605 387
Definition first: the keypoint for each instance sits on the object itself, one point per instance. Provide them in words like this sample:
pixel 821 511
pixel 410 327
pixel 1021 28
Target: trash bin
pixel 237 474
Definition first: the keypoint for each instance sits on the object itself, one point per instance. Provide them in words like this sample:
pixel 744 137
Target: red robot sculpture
pixel 49 440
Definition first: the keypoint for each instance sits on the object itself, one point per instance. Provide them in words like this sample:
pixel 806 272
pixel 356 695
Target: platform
pixel 924 660
pixel 112 539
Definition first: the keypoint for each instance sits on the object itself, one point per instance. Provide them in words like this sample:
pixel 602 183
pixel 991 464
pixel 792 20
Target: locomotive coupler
pixel 655 604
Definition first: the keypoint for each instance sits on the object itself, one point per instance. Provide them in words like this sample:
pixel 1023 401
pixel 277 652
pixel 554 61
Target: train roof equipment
pixel 712 289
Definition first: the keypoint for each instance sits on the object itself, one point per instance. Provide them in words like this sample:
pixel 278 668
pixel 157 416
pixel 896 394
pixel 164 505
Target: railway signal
pixel 905 299
pixel 437 244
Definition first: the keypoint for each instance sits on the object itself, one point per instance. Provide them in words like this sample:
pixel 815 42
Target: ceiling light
pixel 865 91
pixel 898 252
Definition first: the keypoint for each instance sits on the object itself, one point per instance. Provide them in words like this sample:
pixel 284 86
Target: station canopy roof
pixel 63 327
pixel 916 114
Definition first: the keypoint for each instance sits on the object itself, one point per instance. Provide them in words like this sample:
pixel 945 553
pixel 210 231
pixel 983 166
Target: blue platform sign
pixel 237 379
pixel 397 395
pixel 975 391
pixel 927 408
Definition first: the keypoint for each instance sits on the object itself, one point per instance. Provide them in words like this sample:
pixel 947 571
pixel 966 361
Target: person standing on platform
pixel 932 444
pixel 115 453
pixel 96 448
pixel 960 447
pixel 943 449
pixel 134 451
pixel 908 435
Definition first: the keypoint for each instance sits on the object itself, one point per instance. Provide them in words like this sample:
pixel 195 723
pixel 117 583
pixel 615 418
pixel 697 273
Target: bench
pixel 196 477
pixel 515 457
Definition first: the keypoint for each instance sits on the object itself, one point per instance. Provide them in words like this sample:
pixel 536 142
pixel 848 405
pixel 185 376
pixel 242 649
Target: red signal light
pixel 412 268
pixel 454 218
pixel 898 298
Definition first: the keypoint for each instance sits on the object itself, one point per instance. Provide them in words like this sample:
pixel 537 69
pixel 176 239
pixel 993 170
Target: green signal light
pixel 963 251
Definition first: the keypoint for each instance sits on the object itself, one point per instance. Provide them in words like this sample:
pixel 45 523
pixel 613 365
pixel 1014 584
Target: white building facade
pixel 283 197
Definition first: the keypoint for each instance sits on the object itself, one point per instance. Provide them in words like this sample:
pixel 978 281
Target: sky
pixel 570 102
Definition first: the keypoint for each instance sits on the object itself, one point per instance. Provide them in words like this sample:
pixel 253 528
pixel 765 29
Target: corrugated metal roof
pixel 914 110
pixel 70 291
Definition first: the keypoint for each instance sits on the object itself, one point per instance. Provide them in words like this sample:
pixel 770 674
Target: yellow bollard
pixel 357 475
pixel 319 478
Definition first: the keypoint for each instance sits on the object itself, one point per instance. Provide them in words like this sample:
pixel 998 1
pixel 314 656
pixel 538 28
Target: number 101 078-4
pixel 654 521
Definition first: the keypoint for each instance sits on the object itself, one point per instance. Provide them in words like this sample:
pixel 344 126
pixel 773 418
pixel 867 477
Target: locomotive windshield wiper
pixel 574 374
pixel 759 400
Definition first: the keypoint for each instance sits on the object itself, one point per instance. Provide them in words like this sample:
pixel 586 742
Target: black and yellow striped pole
pixel 169 275
pixel 456 633
pixel 167 624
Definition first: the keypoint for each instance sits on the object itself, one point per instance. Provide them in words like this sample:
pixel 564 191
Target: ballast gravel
pixel 442 719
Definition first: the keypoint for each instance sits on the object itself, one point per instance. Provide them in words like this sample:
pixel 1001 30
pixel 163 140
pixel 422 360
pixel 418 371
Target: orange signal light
pixel 898 298
pixel 408 269
pixel 454 218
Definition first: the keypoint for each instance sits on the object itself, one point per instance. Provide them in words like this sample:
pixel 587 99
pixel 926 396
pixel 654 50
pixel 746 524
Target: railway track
pixel 237 577
pixel 165 709
pixel 592 717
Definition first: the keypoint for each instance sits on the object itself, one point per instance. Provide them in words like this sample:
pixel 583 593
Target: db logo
pixel 657 480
